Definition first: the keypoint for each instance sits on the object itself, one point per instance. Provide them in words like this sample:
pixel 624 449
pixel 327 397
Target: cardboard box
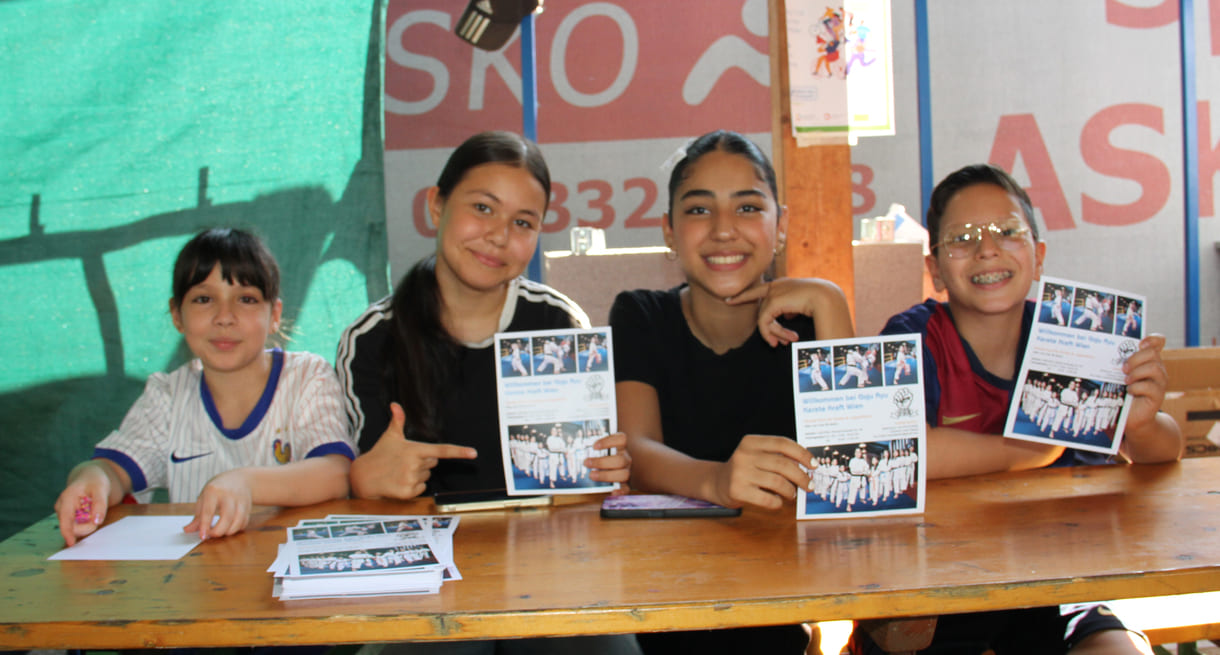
pixel 888 280
pixel 1193 397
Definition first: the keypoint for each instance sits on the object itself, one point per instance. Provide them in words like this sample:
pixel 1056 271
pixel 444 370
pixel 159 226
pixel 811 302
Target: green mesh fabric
pixel 125 127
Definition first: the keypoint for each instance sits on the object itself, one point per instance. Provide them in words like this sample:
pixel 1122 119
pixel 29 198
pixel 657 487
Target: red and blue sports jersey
pixel 958 391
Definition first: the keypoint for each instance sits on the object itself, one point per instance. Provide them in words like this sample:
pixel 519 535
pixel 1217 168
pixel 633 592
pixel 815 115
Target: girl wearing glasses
pixel 417 368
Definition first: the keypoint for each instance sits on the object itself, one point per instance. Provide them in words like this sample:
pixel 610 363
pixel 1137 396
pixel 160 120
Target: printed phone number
pixel 590 207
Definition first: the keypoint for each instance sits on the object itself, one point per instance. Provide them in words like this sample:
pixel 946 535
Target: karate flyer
pixel 860 414
pixel 1071 384
pixel 556 397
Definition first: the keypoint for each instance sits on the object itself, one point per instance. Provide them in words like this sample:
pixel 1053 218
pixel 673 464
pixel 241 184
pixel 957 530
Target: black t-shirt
pixel 708 401
pixel 470 414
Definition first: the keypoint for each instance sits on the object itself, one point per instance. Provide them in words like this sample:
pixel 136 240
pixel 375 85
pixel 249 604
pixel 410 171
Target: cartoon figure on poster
pixel 592 352
pixel 513 360
pixel 857 363
pixel 901 365
pixel 815 369
pixel 864 477
pixel 1130 321
pixel 551 456
pixel 860 50
pixel 1055 306
pixel 1093 310
pixel 828 32
pixel 1077 411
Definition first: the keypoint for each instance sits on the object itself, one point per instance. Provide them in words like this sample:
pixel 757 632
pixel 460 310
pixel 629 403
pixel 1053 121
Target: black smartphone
pixel 485 499
pixel 655 506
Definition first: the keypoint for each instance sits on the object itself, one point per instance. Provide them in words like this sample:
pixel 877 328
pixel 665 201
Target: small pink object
pixel 84 511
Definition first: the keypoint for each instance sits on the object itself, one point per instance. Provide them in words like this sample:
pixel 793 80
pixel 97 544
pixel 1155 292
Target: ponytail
pixel 423 357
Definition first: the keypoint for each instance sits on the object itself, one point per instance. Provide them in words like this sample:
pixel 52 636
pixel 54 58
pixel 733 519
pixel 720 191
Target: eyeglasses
pixel 961 241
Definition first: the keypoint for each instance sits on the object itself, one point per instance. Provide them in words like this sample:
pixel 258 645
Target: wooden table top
pixel 998 541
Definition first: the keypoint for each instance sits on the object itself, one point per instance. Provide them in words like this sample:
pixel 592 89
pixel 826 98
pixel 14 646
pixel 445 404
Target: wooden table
pixel 999 541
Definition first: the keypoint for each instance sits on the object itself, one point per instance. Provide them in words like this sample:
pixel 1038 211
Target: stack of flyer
pixel 365 555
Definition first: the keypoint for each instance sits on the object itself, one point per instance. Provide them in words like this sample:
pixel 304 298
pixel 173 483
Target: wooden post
pixel 814 182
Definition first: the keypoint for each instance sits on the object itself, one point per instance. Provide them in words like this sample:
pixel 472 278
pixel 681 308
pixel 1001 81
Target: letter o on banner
pixel 626 71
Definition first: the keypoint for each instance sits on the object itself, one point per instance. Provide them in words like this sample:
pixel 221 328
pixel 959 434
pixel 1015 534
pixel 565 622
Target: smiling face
pixel 226 325
pixel 724 225
pixel 487 228
pixel 994 280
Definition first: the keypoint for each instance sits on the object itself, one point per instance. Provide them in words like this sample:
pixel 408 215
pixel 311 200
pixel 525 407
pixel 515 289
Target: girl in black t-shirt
pixel 418 368
pixel 725 227
pixel 704 391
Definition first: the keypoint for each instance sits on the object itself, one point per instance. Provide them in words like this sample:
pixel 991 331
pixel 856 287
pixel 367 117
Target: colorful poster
pixel 840 69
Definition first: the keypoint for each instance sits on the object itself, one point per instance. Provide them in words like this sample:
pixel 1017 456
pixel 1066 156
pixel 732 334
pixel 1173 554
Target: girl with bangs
pixel 237 426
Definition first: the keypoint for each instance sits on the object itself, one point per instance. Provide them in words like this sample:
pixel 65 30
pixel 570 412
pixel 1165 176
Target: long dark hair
pixel 423 357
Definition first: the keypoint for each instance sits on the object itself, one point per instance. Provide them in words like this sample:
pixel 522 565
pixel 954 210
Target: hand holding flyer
pixel 860 414
pixel 556 400
pixel 1071 383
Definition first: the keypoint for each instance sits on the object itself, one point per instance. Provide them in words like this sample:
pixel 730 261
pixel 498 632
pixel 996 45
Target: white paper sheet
pixel 135 538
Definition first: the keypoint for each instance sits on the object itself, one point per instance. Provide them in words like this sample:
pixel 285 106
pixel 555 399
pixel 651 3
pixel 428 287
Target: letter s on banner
pixel 401 56
pixel 1209 160
pixel 1124 15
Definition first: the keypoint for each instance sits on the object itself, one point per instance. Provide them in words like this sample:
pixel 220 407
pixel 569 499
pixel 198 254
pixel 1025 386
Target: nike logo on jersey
pixel 954 420
pixel 175 458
